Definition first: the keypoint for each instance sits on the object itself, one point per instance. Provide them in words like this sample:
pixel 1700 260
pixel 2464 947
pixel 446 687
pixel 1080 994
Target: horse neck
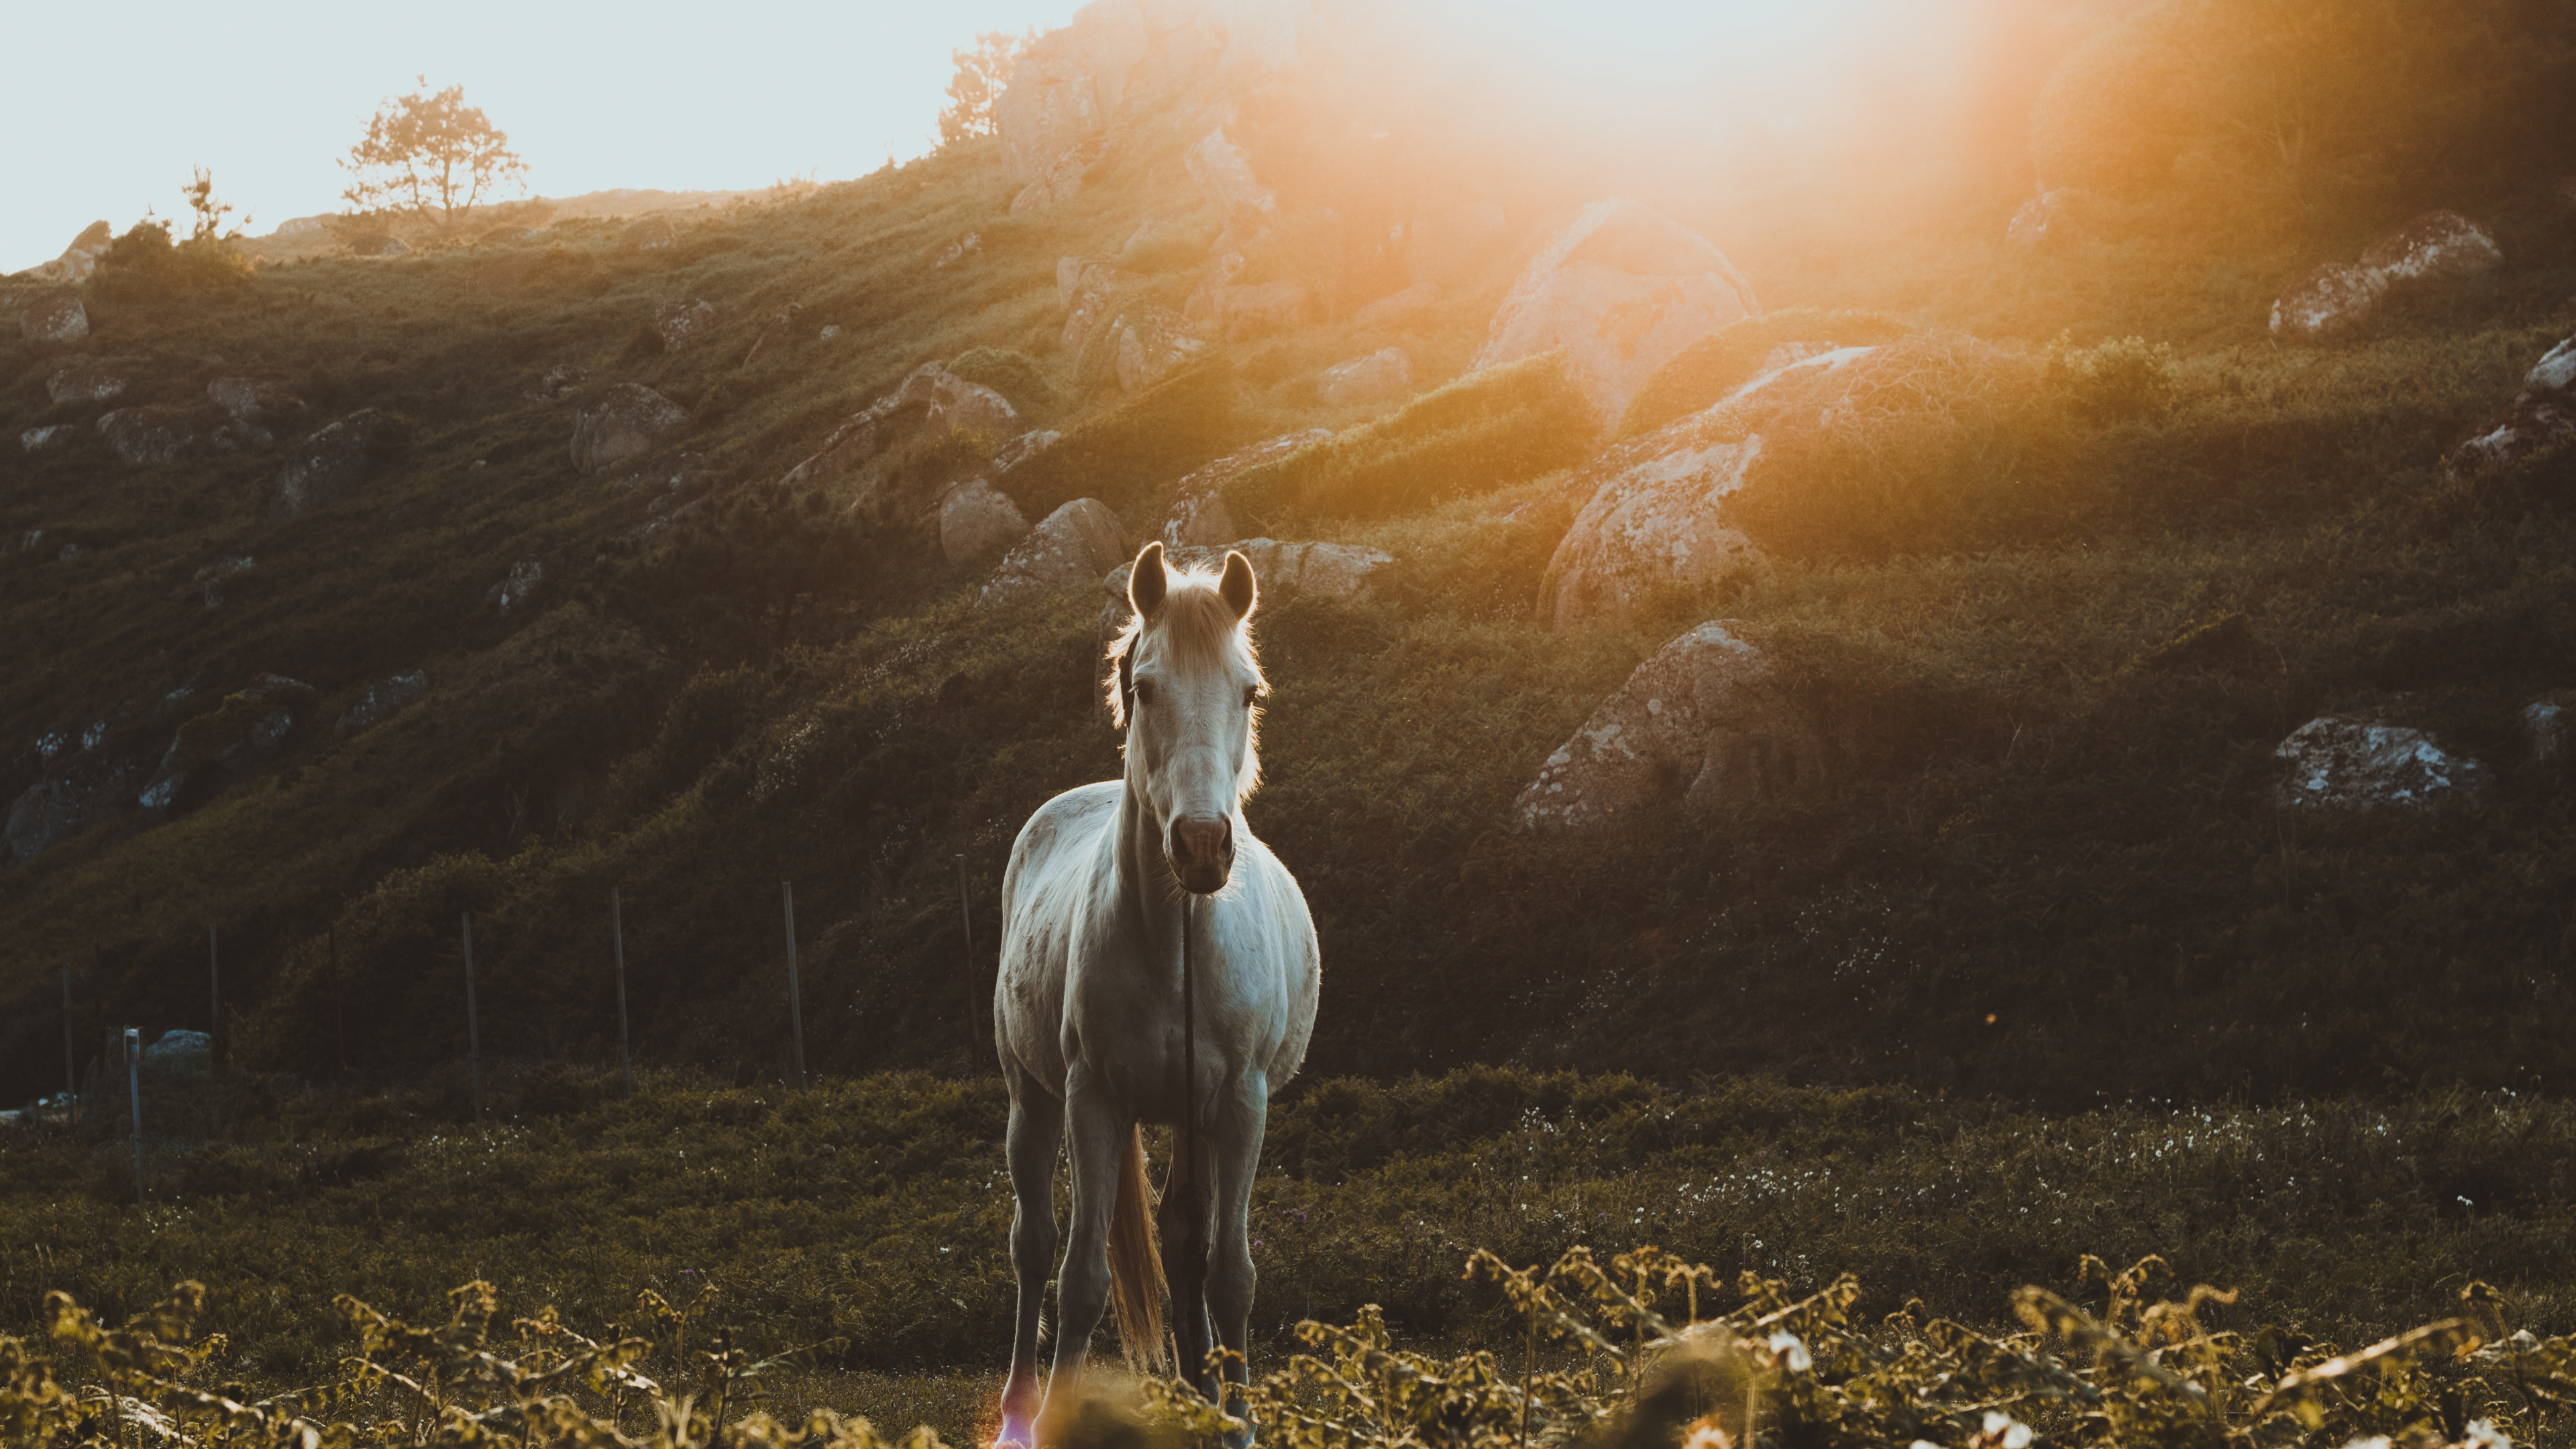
pixel 1146 891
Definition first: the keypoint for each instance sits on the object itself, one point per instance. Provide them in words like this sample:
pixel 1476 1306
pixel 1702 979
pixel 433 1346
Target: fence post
pixel 966 913
pixel 134 1095
pixel 473 1036
pixel 215 988
pixel 339 1010
pixel 795 997
pixel 617 933
pixel 71 1068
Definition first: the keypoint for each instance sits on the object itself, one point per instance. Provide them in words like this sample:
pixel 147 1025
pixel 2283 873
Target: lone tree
pixel 426 152
pixel 982 73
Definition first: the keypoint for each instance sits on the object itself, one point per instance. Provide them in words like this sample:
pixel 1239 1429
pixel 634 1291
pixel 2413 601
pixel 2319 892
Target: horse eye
pixel 1144 691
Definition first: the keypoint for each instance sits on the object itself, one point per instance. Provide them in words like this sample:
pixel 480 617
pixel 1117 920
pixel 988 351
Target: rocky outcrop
pixel 681 323
pixel 517 587
pixel 1223 175
pixel 1061 180
pixel 777 335
pixel 249 723
pixel 329 465
pixel 81 258
pixel 1703 722
pixel 2542 416
pixel 1152 341
pixel 1448 245
pixel 628 421
pixel 1385 373
pixel 1088 289
pixel 1024 447
pixel 1198 515
pixel 84 381
pixel 1619 290
pixel 2335 762
pixel 1654 518
pixel 2338 296
pixel 150 434
pixel 1399 309
pixel 381 701
pixel 2042 221
pixel 45 440
pixel 52 317
pixel 977 523
pixel 944 401
pixel 1074 545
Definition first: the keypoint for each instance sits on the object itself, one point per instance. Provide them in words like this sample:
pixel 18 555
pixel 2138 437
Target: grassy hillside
pixel 2047 866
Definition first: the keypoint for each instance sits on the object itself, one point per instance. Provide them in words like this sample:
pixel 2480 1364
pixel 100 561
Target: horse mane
pixel 1200 630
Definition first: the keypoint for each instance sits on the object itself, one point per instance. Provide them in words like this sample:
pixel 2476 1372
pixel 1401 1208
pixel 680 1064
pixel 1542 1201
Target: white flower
pixel 2375 1441
pixel 1785 1347
pixel 2483 1434
pixel 2006 1430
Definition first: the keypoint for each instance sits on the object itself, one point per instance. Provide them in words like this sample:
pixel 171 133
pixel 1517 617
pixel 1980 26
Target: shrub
pixel 1703 373
pixel 1122 455
pixel 1482 432
pixel 1011 373
pixel 144 266
pixel 2122 380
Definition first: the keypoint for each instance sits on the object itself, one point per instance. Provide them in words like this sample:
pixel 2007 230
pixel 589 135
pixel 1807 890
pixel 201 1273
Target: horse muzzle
pixel 1201 851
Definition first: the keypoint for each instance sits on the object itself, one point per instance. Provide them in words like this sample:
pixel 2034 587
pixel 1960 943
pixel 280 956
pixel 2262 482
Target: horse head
pixel 1189 691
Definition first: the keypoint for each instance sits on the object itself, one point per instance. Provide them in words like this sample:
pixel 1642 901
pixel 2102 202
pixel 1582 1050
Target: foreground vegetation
pixel 874 1213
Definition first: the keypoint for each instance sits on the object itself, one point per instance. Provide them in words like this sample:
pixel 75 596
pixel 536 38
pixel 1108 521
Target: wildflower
pixel 1788 1350
pixel 2483 1434
pixel 2006 1431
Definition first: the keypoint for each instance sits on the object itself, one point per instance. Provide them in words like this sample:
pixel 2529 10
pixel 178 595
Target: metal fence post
pixel 215 989
pixel 134 1095
pixel 473 1035
pixel 795 997
pixel 617 933
pixel 71 1069
pixel 339 1011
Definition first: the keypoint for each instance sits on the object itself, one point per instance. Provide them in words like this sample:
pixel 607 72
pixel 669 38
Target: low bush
pixel 1702 374
pixel 1122 455
pixel 1011 373
pixel 1485 431
pixel 144 266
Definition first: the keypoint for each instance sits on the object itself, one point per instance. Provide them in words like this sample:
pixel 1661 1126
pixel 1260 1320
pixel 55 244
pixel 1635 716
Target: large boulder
pixel 330 464
pixel 943 401
pixel 52 317
pixel 1198 515
pixel 381 701
pixel 977 522
pixel 81 258
pixel 1383 374
pixel 2336 762
pixel 2327 302
pixel 1619 289
pixel 150 434
pixel 1088 288
pixel 629 420
pixel 2339 296
pixel 1152 341
pixel 1074 545
pixel 2543 415
pixel 681 323
pixel 1703 721
pixel 84 381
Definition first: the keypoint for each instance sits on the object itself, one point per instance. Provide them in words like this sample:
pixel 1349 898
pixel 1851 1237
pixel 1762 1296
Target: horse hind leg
pixel 1186 1214
pixel 1036 1132
pixel 1235 1152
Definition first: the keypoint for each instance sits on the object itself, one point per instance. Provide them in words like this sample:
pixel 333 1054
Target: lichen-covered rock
pixel 1198 515
pixel 2334 762
pixel 330 464
pixel 1702 721
pixel 1398 309
pixel 1061 180
pixel 52 317
pixel 81 258
pixel 2436 244
pixel 517 587
pixel 1223 174
pixel 45 440
pixel 628 421
pixel 1073 545
pixel 681 323
pixel 1152 341
pixel 84 381
pixel 382 701
pixel 151 434
pixel 942 401
pixel 2542 415
pixel 1383 374
pixel 1619 290
pixel 253 720
pixel 2327 302
pixel 1022 448
pixel 977 523
pixel 1087 289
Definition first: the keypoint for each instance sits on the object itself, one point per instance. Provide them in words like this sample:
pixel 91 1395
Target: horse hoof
pixel 1016 1434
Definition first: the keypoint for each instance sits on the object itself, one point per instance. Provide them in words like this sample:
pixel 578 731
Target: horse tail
pixel 1136 1262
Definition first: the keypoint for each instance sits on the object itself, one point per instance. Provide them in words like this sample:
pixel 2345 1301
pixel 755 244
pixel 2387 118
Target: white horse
pixel 1088 1014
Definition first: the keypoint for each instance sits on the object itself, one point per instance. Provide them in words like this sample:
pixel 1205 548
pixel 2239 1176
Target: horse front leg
pixel 1242 1115
pixel 1187 1213
pixel 1036 1132
pixel 1099 1126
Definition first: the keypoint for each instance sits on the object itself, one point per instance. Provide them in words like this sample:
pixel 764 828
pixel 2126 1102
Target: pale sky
pixel 106 110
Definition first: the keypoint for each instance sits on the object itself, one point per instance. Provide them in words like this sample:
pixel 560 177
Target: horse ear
pixel 1147 582
pixel 1237 587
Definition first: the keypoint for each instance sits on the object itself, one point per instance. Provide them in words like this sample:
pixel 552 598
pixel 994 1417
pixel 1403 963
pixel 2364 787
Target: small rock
pixel 2544 732
pixel 81 258
pixel 1702 720
pixel 977 523
pixel 44 440
pixel 2542 415
pixel 651 234
pixel 149 435
pixel 1382 374
pixel 1022 448
pixel 382 701
pixel 176 1048
pixel 328 465
pixel 629 420
pixel 52 317
pixel 2436 244
pixel 1397 309
pixel 518 588
pixel 1152 341
pixel 2339 763
pixel 2333 299
pixel 84 382
pixel 561 378
pixel 1198 516
pixel 828 333
pixel 681 322
pixel 1074 545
